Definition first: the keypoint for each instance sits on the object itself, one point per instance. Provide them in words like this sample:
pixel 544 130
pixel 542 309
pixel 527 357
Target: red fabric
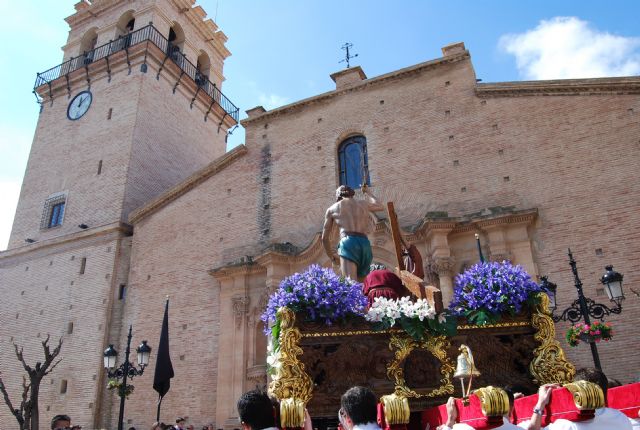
pixel 471 415
pixel 382 422
pixel 626 399
pixel 382 278
pixel 561 406
pixel 382 283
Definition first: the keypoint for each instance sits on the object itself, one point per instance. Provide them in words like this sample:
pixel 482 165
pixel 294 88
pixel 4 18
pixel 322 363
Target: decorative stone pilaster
pixel 240 308
pixel 444 266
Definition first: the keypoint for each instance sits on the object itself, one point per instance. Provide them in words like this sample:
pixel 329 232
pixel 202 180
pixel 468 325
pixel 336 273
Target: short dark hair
pixel 591 374
pixel 360 404
pixel 256 410
pixel 57 418
pixel 344 191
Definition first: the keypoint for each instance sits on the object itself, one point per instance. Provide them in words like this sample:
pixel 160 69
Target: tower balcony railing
pixel 144 34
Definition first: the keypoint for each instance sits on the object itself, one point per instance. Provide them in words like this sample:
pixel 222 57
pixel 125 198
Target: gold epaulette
pixel 586 395
pixel 494 401
pixel 396 409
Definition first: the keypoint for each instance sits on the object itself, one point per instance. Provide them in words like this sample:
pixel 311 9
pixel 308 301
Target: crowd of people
pixel 358 411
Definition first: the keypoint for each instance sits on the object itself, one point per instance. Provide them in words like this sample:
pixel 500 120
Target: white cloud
pixel 568 47
pixel 10 191
pixel 272 101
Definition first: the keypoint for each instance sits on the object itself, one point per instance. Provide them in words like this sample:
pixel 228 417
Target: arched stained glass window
pixel 352 157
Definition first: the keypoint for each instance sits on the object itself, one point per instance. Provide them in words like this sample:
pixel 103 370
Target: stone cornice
pixel 526 216
pixel 188 184
pixel 91 10
pixel 305 256
pixel 99 234
pixel 398 74
pixel 208 29
pixel 195 14
pixel 232 271
pixel 561 87
pixel 476 222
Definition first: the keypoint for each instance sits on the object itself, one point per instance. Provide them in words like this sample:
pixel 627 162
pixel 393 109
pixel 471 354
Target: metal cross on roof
pixel 348 56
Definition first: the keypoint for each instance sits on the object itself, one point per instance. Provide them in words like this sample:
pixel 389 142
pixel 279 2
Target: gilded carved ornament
pixel 290 381
pixel 549 364
pixel 403 345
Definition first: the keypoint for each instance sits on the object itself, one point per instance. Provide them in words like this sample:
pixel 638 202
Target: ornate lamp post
pixel 584 307
pixel 126 369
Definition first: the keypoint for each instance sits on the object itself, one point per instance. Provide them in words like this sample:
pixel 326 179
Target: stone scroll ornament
pixel 549 364
pixel 291 384
pixel 403 345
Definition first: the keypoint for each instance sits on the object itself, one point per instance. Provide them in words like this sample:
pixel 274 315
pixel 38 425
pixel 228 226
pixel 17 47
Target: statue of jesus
pixel 352 218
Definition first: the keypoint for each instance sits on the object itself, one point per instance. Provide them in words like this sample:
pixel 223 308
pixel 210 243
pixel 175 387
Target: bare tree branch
pixel 52 367
pixel 16 412
pixel 27 414
pixel 20 356
pixel 48 355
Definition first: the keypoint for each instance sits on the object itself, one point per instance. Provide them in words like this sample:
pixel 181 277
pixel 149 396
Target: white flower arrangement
pixel 416 318
pixel 394 309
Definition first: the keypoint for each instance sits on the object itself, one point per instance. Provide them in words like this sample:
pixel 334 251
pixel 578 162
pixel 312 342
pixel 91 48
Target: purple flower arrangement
pixel 318 293
pixel 488 290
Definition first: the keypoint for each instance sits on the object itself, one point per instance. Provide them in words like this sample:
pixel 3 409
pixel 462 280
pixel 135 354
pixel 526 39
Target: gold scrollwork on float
pixel 496 325
pixel 403 345
pixel 290 380
pixel 549 364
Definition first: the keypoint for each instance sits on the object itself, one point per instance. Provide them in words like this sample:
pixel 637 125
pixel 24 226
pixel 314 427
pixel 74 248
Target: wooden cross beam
pixel 414 284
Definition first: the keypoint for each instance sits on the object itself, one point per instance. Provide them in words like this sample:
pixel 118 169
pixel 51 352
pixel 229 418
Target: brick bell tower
pixel 134 108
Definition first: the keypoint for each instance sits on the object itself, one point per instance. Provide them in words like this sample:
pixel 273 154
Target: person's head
pixel 255 410
pixel 180 422
pixel 358 405
pixel 190 427
pixel 132 428
pixel 344 191
pixel 60 422
pixel 591 374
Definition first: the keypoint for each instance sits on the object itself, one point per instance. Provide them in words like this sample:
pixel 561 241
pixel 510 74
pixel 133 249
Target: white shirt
pixel 605 419
pixel 635 423
pixel 367 426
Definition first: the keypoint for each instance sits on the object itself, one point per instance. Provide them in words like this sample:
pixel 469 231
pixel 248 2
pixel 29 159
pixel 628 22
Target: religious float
pixel 392 334
pixel 326 335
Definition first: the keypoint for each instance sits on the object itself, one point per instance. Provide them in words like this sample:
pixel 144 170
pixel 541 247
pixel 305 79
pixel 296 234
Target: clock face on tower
pixel 79 105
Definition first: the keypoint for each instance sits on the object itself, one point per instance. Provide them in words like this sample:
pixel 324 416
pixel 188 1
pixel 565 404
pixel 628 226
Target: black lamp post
pixel 584 307
pixel 126 369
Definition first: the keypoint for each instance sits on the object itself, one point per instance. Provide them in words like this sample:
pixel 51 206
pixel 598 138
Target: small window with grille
pixel 53 211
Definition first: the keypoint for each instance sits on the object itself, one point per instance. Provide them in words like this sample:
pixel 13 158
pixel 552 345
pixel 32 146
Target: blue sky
pixel 285 50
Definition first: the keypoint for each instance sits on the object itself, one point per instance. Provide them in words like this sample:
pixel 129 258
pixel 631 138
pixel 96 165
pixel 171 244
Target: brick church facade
pixel 136 199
